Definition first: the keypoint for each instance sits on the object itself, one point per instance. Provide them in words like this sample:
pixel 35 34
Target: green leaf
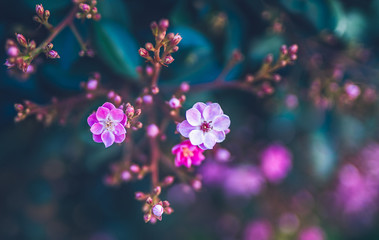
pixel 114 10
pixel 117 48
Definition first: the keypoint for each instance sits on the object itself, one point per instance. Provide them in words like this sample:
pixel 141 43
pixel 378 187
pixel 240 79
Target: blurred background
pixel 51 177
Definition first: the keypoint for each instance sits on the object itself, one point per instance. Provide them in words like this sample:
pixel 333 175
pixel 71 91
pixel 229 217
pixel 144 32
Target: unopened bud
pixel 152 130
pixel 176 40
pixel 13 51
pixel 168 210
pixel 49 46
pixel 135 168
pixel 269 58
pixel 149 200
pixel 46 15
pixel 163 24
pixel 174 103
pixel 154 28
pixel 293 49
pixel 21 40
pixel 184 87
pixel 32 45
pixel 129 111
pixel 249 78
pixel 149 46
pixel 126 176
pixel 39 10
pixel 149 71
pixel 138 125
pixel 157 190
pixel 168 180
pixel 147 99
pixel 96 17
pixel 170 36
pixel 293 57
pixel 165 204
pixel 196 184
pixel 92 84
pixel 175 49
pixel 143 53
pixel 138 112
pixel 85 7
pixel 117 99
pixel 53 54
pixel 111 94
pixel 168 59
pixel 147 217
pixel 140 196
pixel 277 77
pixel 155 90
pixel 158 210
pixel 283 49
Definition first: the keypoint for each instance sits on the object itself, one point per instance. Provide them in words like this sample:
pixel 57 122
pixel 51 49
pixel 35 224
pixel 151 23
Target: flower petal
pixel 102 113
pixel 109 105
pixel 211 111
pixel 123 121
pixel 196 137
pixel 97 138
pixel 97 128
pixel 199 106
pixel 108 138
pixel 119 129
pixel 119 138
pixel 193 117
pixel 209 140
pixel 117 115
pixel 221 123
pixel 185 128
pixel 202 147
pixel 219 135
pixel 92 119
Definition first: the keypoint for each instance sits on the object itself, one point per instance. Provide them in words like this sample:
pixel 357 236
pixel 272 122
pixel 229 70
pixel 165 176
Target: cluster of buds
pixel 133 115
pixel 42 15
pixel 177 99
pixel 125 172
pixel 87 9
pixel 42 114
pixel 114 97
pixel 19 58
pixel 168 41
pixel 153 208
pixel 49 52
pixel 267 75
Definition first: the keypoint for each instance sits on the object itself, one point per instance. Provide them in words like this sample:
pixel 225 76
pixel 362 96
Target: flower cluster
pixel 88 9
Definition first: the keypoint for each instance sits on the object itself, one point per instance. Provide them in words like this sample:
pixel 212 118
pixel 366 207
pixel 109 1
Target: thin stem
pixel 77 36
pixel 154 160
pixel 56 31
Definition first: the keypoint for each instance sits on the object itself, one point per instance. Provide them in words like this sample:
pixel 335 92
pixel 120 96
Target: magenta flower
pixel 205 125
pixel 276 161
pixel 108 124
pixel 187 154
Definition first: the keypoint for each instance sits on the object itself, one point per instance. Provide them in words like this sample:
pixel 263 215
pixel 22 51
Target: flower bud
pixel 149 46
pixel 149 200
pixel 149 71
pixel 249 78
pixel 138 112
pixel 165 204
pixel 158 210
pixel 147 217
pixel 170 36
pixel 196 184
pixel 134 168
pixel 143 53
pixel 46 15
pixel 163 24
pixel 117 99
pixel 126 176
pixel 96 17
pixel 293 49
pixel 168 210
pixel 168 59
pixel 157 190
pixel 283 49
pixel 21 40
pixel 53 54
pixel 32 45
pixel 155 90
pixel 277 77
pixel 111 94
pixel 176 40
pixel 92 84
pixel 184 87
pixel 154 28
pixel 140 196
pixel 269 58
pixel 13 51
pixel 152 130
pixel 174 103
pixel 49 46
pixel 293 57
pixel 39 10
pixel 138 125
pixel 175 49
pixel 147 99
pixel 168 180
pixel 85 7
pixel 129 111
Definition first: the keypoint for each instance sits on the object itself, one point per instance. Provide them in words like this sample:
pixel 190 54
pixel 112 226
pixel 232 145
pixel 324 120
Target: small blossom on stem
pixel 187 154
pixel 174 103
pixel 53 54
pixel 108 124
pixel 205 125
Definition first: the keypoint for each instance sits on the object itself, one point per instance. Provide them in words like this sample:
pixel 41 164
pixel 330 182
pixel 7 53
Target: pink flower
pixel 187 154
pixel 205 125
pixel 276 161
pixel 108 124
